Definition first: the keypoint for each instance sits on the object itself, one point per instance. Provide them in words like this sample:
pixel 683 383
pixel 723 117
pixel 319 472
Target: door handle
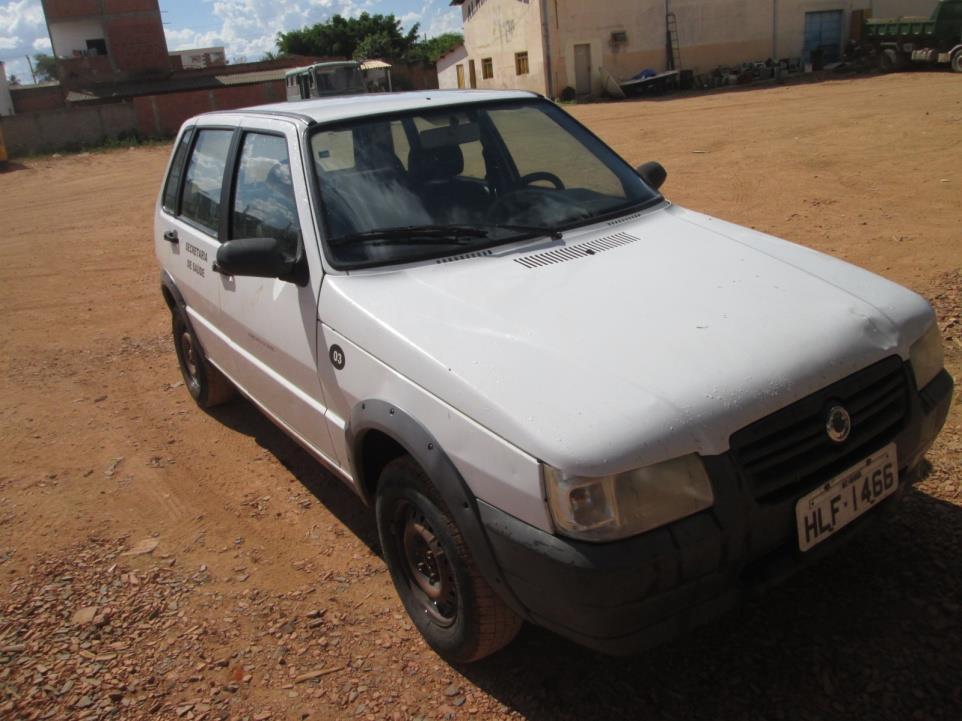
pixel 171 236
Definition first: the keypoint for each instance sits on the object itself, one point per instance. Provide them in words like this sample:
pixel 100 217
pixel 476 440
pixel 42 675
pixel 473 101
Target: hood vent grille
pixel 573 252
pixel 626 219
pixel 465 256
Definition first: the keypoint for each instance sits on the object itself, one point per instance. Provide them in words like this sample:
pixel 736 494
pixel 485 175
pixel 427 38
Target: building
pixel 6 100
pixel 549 45
pixel 199 58
pixel 106 41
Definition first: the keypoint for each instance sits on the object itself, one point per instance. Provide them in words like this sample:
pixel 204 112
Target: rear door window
pixel 205 177
pixel 263 204
pixel 172 187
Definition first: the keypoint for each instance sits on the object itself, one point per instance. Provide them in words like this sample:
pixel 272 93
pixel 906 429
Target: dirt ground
pixel 160 562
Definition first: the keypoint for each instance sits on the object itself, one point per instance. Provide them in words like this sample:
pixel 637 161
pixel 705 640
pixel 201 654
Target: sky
pixel 245 27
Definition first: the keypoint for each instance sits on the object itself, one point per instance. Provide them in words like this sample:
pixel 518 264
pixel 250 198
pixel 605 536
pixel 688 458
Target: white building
pixel 195 58
pixel 549 45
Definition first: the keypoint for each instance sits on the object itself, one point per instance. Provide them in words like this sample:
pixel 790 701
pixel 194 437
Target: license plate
pixel 835 504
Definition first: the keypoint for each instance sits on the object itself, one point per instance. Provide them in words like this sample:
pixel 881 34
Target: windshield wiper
pixel 553 233
pixel 417 233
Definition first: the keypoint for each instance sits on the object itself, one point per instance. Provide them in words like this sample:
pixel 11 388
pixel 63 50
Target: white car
pixel 569 401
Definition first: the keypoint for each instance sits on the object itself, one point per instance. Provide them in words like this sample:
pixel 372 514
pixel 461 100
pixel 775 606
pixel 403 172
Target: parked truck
pixel 896 42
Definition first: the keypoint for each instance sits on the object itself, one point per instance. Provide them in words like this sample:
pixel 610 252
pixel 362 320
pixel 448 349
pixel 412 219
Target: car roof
pixel 344 107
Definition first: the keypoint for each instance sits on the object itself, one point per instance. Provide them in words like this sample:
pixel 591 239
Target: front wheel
pixel 451 604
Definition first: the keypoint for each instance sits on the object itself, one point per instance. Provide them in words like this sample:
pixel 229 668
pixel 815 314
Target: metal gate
pixel 823 31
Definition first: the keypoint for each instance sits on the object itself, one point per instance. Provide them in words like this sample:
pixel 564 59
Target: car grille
pixel 790 450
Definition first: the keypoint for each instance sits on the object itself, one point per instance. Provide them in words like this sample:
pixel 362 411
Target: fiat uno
pixel 568 400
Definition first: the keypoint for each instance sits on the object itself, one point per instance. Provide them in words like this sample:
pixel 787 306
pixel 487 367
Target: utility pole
pixel 32 73
pixel 775 30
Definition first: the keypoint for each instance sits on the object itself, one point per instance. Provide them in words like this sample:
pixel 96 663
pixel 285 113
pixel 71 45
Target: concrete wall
pixel 498 29
pixel 67 128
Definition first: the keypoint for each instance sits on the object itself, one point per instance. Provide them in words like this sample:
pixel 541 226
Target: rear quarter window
pixel 172 184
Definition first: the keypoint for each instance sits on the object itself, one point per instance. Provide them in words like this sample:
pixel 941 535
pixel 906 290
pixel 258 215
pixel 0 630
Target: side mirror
pixel 654 174
pixel 257 257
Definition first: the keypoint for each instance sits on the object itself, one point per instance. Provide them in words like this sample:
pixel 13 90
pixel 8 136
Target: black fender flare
pixel 417 441
pixel 172 294
pixel 177 305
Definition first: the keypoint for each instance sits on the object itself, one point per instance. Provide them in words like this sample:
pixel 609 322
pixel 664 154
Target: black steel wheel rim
pixel 189 357
pixel 425 565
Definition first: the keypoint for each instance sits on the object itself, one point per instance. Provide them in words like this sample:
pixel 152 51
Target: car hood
pixel 630 342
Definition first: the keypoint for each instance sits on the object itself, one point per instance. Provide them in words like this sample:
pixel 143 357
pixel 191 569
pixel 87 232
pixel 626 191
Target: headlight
pixel 626 504
pixel 926 356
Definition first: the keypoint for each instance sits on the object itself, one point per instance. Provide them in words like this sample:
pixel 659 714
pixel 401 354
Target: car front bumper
pixel 625 596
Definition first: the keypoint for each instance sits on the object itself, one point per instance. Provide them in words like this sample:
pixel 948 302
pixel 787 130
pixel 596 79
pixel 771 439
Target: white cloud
pixel 435 18
pixel 22 17
pixel 248 28
pixel 23 26
pixel 42 44
pixel 444 22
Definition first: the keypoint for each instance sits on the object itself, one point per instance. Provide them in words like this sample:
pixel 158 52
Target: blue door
pixel 823 31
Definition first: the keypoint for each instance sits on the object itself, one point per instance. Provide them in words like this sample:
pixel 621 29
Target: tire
pixel 957 61
pixel 206 385
pixel 888 61
pixel 462 619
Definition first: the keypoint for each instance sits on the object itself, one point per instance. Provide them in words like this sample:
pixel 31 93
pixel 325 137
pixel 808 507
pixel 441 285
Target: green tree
pixel 430 50
pixel 342 37
pixel 45 67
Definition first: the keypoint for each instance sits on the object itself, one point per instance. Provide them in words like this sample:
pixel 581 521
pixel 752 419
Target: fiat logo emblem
pixel 838 424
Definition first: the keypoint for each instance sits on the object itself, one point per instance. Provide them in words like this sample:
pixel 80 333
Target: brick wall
pixel 66 9
pixel 35 99
pixel 414 77
pixel 136 44
pixel 85 70
pixel 130 6
pixel 160 116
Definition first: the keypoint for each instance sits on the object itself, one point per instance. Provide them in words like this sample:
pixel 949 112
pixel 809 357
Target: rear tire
pixel 451 604
pixel 890 61
pixel 206 385
pixel 957 61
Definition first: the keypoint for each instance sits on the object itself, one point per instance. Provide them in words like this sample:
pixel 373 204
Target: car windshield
pixel 425 184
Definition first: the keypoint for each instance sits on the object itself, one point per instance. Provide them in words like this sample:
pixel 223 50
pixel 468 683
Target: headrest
pixel 441 163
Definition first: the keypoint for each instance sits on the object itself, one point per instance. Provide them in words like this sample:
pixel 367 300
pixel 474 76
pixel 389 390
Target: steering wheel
pixel 543 175
pixel 535 206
